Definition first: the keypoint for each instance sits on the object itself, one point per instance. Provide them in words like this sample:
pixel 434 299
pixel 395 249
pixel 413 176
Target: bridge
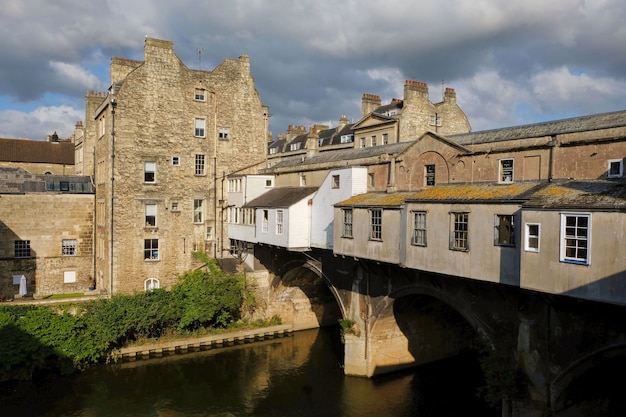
pixel 543 347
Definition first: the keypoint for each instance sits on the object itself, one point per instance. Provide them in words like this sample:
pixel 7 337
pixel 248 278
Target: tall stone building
pixel 160 143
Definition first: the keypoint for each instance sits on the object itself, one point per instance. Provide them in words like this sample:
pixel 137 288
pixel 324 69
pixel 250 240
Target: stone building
pixel 46 233
pixel 160 143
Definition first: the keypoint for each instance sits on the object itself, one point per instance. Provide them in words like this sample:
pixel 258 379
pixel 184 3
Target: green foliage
pixel 75 336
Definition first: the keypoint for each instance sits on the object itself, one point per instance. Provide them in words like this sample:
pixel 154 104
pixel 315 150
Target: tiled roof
pixel 345 155
pixel 281 197
pixel 36 151
pixel 554 127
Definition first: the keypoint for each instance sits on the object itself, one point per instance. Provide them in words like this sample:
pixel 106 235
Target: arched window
pixel 150 284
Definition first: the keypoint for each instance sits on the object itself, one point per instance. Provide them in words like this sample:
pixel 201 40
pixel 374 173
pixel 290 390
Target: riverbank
pixel 200 343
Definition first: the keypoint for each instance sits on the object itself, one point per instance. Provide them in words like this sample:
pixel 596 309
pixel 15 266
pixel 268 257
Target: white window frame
pixel 222 133
pixel 347 223
pixel 335 181
pixel 69 247
pixel 198 211
pixel 506 174
pixel 420 236
pixel 265 221
pixel 175 206
pixel 575 237
pixel 459 236
pixel 620 172
pixel 149 168
pixel 200 128
pixel 175 160
pixel 151 214
pixel 280 218
pixel 376 224
pixel 151 284
pixel 528 236
pixel 199 94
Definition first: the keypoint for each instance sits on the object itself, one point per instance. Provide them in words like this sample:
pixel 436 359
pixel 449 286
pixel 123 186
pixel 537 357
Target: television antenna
pixel 200 51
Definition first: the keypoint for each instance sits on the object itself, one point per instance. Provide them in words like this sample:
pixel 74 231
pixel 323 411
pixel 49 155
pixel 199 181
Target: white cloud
pixel 40 122
pixel 76 75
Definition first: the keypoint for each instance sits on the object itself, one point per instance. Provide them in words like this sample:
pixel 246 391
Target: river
pixel 296 375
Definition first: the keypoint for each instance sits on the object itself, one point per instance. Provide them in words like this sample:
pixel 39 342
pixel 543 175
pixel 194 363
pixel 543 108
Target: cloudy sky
pixel 510 62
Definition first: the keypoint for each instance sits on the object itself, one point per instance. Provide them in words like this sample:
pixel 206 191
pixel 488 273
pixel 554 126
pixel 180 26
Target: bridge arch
pixel 301 294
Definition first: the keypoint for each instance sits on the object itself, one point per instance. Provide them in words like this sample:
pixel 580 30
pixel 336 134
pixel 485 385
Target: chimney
pixel 449 96
pixel 369 103
pixel 415 89
pixel 343 121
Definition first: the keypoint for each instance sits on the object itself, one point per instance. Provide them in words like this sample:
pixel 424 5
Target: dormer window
pixel 295 146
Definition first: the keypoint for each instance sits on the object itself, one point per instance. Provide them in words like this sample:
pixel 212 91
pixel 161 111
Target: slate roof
pixel 554 127
pixel 379 199
pixel 15 180
pixel 281 197
pixel 581 195
pixel 36 151
pixel 345 155
pixel 477 192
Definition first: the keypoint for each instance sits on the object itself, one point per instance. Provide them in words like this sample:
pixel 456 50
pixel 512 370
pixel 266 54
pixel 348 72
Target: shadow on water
pixel 297 375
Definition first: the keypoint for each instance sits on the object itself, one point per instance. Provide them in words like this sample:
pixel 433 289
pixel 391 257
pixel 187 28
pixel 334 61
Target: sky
pixel 510 62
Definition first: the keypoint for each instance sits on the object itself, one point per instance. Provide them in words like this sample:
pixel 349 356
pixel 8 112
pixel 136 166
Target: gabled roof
pixel 36 151
pixel 445 140
pixel 281 197
pixel 554 127
pixel 381 118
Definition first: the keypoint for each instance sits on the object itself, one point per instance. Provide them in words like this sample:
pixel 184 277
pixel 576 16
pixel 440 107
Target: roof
pixel 36 151
pixel 476 192
pixel 15 180
pixel 554 127
pixel 376 200
pixel 581 195
pixel 281 197
pixel 344 155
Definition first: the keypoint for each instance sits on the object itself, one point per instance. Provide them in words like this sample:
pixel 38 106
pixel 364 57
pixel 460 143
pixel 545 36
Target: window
pixel 199 165
pixel 370 180
pixel 531 243
pixel 149 171
pixel 376 224
pixel 302 180
pixel 151 211
pixel 335 183
pixel 22 248
pixel 175 206
pixel 200 126
pixel 151 249
pixel 430 175
pixel 347 138
pixel 68 247
pixel 385 138
pixel 199 95
pixel 435 120
pixel 175 161
pixel 320 142
pixel 198 212
pixel 295 146
pixel 575 234
pixel 209 233
pixel 269 183
pixel 374 140
pixel 362 142
pixel 616 168
pixel 506 170
pixel 504 230
pixel 279 222
pixel 265 225
pixel 64 185
pixel 419 228
pixel 151 284
pixel 69 277
pixel 347 223
pixel 459 236
pixel 273 150
pixel 222 133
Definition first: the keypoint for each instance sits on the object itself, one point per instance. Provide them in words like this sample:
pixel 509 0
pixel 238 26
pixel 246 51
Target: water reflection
pixel 297 375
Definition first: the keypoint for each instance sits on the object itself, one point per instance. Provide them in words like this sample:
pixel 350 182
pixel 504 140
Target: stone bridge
pixel 546 350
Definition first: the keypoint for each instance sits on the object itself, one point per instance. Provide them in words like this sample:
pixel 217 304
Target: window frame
pixel 151 252
pixel 200 127
pixel 200 165
pixel 420 235
pixel 528 236
pixel 498 224
pixel 69 247
pixel 265 221
pixel 150 215
pixel 175 160
pixel 22 249
pixel 335 181
pixel 149 172
pixel 429 175
pixel 376 224
pixel 223 133
pixel 565 241
pixel 199 94
pixel 348 218
pixel 198 211
pixel 151 284
pixel 280 218
pixel 620 174
pixel 459 237
pixel 503 171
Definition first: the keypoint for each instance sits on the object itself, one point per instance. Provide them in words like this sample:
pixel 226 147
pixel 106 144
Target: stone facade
pixel 45 234
pixel 174 133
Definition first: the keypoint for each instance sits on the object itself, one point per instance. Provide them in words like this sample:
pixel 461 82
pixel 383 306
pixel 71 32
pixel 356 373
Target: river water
pixel 295 375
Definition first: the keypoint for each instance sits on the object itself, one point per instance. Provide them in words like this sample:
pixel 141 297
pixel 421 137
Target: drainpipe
pixel 552 144
pixel 113 105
